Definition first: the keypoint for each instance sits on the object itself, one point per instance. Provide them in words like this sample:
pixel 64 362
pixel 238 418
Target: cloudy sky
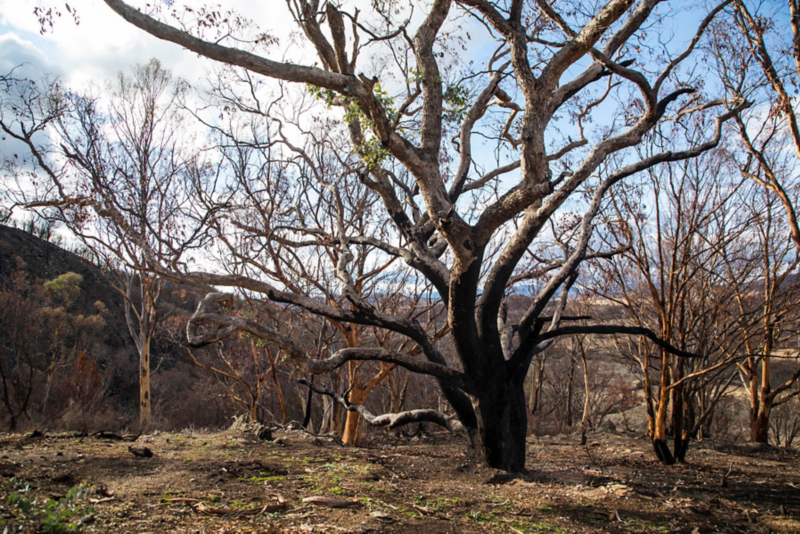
pixel 100 46
pixel 103 44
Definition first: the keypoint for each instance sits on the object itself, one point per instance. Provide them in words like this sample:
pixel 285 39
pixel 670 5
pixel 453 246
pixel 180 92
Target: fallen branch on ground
pixel 266 509
pixel 101 501
pixel 394 420
pixel 332 503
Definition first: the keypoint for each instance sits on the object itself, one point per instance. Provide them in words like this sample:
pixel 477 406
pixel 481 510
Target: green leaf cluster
pixel 456 98
pixel 54 516
pixel 371 151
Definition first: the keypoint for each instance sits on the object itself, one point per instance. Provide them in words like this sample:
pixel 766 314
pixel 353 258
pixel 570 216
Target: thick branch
pixel 394 420
pixel 400 325
pixel 226 325
pixel 583 41
pixel 232 56
pixel 605 330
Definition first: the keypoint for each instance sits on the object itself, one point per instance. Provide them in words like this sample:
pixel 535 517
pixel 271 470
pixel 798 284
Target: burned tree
pixel 757 59
pixel 681 220
pixel 109 167
pixel 413 107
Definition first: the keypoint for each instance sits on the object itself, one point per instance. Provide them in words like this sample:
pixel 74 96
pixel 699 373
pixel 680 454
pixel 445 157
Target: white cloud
pixel 23 57
pixel 103 44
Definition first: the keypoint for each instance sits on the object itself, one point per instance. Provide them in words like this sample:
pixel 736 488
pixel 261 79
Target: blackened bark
pixel 681 448
pixel 759 428
pixel 498 439
pixel 663 453
pixel 678 422
pixel 307 415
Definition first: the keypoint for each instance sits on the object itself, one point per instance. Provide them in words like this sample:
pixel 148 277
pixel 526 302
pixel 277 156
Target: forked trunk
pixel 277 383
pixel 660 445
pixel 498 441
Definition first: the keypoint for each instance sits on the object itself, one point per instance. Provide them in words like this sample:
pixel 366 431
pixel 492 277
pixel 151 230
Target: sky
pixel 102 44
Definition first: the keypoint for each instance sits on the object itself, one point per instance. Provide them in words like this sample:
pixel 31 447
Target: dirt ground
pixel 234 482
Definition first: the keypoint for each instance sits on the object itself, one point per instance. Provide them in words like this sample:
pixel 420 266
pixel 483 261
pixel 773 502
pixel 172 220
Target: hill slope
pixel 44 261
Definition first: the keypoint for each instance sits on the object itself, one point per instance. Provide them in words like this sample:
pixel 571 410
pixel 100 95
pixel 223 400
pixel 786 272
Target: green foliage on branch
pixel 371 151
pixel 65 288
pixel 456 98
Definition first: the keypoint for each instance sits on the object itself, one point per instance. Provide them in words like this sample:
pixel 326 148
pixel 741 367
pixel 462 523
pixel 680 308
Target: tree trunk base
pixel 663 453
pixel 681 448
pixel 759 429
pixel 505 456
pixel 498 441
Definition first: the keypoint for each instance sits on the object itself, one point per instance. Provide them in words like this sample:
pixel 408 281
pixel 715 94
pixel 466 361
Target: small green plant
pixel 533 527
pixel 18 501
pixel 336 490
pixel 53 517
pixel 239 504
pixel 439 504
pixel 476 515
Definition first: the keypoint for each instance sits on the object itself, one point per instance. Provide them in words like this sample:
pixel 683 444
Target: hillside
pixel 113 352
pixel 44 261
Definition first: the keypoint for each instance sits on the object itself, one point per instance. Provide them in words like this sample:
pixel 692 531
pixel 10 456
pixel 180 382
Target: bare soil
pixel 233 482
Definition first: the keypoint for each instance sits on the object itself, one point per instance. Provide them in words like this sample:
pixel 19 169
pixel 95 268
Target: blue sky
pixel 103 44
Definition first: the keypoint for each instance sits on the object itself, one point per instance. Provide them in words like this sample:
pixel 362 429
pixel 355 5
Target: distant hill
pixel 44 261
pixel 202 395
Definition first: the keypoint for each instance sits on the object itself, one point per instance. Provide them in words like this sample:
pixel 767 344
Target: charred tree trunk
pixel 569 393
pixel 253 412
pixel 759 427
pixel 680 439
pixel 663 453
pixel 498 439
pixel 307 414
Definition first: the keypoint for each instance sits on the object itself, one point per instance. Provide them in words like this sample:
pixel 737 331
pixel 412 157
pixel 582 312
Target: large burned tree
pixel 564 92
